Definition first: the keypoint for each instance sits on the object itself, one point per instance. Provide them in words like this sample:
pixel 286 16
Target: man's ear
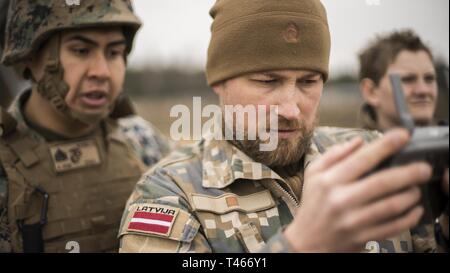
pixel 369 92
pixel 219 88
pixel 26 70
pixel 30 69
pixel 35 64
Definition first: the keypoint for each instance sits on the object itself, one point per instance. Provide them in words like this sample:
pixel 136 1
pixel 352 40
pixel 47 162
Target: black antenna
pixel 446 79
pixel 446 85
pixel 402 110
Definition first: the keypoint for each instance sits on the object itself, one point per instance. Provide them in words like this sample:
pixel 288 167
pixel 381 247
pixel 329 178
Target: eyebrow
pixel 276 75
pixel 429 73
pixel 94 43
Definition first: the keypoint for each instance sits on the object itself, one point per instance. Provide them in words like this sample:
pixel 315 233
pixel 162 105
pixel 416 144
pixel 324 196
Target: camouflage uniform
pixel 211 197
pixel 86 180
pixel 145 141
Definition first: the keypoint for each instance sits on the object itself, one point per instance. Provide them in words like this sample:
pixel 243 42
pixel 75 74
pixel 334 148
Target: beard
pixel 289 152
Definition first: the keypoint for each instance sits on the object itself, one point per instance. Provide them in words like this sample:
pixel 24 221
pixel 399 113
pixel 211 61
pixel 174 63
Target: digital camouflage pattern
pixel 143 139
pixel 31 22
pixel 226 202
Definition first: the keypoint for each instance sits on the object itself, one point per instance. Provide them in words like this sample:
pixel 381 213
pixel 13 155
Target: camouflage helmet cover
pixel 32 22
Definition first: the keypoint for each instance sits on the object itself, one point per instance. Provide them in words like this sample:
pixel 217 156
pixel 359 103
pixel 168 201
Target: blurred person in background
pixel 403 53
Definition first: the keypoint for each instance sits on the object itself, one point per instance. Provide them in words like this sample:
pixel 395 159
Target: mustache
pixel 285 124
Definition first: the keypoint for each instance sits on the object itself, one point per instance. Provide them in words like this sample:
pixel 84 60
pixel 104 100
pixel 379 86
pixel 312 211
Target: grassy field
pixel 339 107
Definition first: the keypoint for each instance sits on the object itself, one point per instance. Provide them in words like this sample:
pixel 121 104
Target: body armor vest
pixel 73 191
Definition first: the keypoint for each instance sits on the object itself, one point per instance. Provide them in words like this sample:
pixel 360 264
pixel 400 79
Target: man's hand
pixel 342 209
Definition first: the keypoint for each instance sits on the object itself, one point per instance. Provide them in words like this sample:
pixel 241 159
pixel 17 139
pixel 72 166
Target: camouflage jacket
pixel 145 140
pixel 211 197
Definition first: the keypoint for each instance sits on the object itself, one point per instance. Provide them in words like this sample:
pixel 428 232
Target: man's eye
pixel 113 53
pixel 409 79
pixel 265 81
pixel 430 79
pixel 80 51
pixel 308 82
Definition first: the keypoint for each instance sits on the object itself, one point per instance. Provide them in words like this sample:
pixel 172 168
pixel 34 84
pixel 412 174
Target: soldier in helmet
pixel 71 147
pixel 230 195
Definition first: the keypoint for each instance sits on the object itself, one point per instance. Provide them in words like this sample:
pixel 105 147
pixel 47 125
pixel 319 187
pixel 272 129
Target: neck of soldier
pixel 384 123
pixel 41 112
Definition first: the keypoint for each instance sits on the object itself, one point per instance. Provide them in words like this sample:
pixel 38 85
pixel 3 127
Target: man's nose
pixel 99 67
pixel 288 102
pixel 289 110
pixel 422 87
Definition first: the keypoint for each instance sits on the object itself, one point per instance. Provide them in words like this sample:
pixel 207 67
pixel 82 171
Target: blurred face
pixel 420 89
pixel 295 93
pixel 94 68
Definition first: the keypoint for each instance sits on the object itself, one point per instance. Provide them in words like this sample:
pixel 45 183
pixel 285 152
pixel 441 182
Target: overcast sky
pixel 177 32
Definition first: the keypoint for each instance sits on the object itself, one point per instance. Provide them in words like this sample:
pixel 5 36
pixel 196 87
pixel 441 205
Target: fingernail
pixel 425 170
pixel 398 136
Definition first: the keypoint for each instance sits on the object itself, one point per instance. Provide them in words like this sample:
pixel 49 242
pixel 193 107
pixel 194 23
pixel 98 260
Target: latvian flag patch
pixel 152 219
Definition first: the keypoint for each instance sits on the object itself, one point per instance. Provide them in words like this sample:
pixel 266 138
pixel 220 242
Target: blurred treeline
pixel 156 91
pixel 168 82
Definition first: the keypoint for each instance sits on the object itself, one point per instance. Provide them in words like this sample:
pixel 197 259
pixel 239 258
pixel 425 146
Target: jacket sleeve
pixel 277 244
pixel 157 192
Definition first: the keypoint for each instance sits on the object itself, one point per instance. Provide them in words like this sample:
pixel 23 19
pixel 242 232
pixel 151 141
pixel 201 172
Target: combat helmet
pixel 32 22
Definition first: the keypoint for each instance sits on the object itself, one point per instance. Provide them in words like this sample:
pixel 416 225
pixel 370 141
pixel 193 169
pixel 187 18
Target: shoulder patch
pixel 154 219
pixel 161 221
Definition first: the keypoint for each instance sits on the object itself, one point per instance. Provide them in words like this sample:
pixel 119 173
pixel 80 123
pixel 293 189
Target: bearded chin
pixel 287 153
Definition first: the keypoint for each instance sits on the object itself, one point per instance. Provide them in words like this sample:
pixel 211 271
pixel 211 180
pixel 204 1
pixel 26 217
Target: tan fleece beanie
pixel 249 36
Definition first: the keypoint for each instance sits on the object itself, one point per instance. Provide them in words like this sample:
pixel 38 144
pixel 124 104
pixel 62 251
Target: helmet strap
pixel 52 85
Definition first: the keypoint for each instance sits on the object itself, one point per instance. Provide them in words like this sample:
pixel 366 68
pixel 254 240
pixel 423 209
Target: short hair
pixel 378 55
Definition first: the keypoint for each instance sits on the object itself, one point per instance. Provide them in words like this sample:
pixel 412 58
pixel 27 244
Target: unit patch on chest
pixel 76 155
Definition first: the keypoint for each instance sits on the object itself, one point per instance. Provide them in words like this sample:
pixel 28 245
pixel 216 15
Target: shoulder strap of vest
pixel 7 123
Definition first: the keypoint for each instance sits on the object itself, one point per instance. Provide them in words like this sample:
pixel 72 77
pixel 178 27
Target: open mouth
pixel 94 98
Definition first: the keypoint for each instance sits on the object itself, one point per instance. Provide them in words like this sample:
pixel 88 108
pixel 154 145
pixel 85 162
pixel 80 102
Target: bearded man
pixel 222 195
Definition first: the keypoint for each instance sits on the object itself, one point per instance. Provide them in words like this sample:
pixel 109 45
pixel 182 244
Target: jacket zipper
pixel 291 197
